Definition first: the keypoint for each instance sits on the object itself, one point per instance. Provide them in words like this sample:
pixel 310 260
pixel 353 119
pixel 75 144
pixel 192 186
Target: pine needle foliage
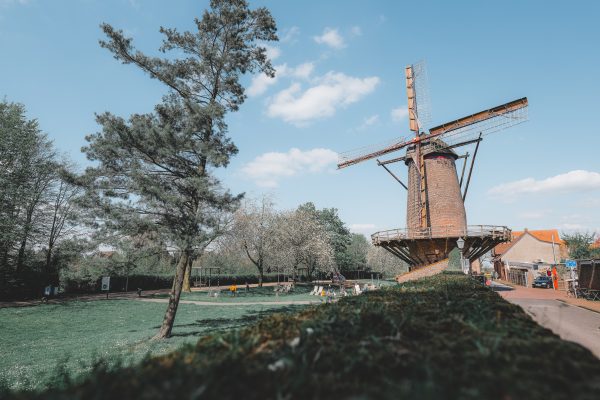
pixel 154 172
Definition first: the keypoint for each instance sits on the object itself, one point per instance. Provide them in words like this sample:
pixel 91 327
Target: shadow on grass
pixel 210 325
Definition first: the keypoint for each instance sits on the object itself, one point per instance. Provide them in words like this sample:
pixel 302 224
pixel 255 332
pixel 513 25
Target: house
pixel 529 254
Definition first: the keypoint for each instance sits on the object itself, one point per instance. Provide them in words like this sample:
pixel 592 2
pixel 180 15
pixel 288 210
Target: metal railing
pixel 495 232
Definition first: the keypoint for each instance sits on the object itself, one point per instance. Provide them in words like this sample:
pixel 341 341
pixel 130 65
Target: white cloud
pixel 591 202
pixel 272 52
pixel 332 38
pixel 369 121
pixel 363 228
pixel 534 214
pixel 398 114
pixel 6 3
pixel 303 70
pixel 573 181
pixel 571 227
pixel 356 31
pixel 268 169
pixel 332 91
pixel 289 35
pixel 260 83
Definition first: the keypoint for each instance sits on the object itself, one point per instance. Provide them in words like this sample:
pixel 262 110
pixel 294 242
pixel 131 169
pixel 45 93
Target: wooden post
pixel 471 169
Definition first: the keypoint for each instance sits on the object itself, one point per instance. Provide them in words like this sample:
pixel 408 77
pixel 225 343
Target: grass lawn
pixel 442 337
pixel 264 294
pixel 40 341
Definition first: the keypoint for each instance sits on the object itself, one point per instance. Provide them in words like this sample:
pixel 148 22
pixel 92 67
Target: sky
pixel 340 86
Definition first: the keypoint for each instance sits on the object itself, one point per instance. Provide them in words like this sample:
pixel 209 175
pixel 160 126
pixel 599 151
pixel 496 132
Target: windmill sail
pixel 505 114
pixel 412 99
pixel 454 132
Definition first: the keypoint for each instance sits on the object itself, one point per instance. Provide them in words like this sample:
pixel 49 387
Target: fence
pixel 518 276
pixel 496 232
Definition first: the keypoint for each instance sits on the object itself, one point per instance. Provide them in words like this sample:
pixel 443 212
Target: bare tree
pixel 382 261
pixel 254 233
pixel 41 172
pixel 61 216
pixel 303 241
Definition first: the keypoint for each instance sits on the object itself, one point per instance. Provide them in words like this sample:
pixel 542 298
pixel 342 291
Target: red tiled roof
pixel 547 235
pixel 596 244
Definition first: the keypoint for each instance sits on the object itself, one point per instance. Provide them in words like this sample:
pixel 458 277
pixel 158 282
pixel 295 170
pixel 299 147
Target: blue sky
pixel 340 86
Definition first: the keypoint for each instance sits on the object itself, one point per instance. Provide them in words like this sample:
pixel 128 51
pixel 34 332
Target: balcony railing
pixel 495 232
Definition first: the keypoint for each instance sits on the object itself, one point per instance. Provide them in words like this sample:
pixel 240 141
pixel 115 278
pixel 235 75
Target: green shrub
pixel 440 337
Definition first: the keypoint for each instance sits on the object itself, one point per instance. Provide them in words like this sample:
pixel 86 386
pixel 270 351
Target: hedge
pixel 441 337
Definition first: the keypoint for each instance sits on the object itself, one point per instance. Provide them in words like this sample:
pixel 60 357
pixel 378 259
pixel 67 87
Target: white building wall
pixel 529 249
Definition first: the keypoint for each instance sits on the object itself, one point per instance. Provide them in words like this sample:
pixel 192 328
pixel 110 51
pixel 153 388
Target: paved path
pixel 250 303
pixel 549 309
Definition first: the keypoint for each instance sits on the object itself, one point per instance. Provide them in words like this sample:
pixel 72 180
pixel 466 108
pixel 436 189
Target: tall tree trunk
pixel 169 320
pixel 48 260
pixel 22 247
pixel 21 254
pixel 260 276
pixel 187 276
pixel 51 273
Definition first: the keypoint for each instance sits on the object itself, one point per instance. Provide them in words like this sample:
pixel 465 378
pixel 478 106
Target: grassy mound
pixel 440 337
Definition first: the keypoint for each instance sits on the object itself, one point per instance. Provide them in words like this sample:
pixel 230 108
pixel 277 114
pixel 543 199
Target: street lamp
pixel 461 245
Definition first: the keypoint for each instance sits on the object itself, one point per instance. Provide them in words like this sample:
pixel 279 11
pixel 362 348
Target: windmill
pixel 436 215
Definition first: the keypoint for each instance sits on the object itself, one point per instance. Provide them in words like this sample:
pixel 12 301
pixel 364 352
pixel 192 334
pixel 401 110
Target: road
pixel 548 309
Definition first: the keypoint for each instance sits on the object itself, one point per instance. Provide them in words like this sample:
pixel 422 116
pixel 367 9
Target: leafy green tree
pixel 29 168
pixel 580 245
pixel 358 251
pixel 154 171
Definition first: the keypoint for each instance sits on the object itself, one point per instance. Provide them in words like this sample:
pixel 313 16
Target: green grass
pixel 39 342
pixel 440 337
pixel 264 294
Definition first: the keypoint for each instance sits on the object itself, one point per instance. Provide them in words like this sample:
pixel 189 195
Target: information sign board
pixel 106 283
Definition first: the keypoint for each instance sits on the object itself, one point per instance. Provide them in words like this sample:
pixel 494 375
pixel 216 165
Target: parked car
pixel 542 282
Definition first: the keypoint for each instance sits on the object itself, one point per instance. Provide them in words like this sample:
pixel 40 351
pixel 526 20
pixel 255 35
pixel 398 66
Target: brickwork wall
pixel 446 207
pixel 423 272
pixel 444 197
pixel 412 201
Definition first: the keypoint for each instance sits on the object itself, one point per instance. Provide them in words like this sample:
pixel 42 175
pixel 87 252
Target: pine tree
pixel 154 171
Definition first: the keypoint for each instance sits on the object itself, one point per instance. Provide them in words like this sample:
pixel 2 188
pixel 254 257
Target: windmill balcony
pixel 423 246
pixel 494 232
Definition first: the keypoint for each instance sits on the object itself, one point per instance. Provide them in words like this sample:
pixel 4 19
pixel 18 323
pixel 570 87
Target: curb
pixel 577 305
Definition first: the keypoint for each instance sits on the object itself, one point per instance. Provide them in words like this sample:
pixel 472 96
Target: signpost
pixel 105 284
pixel 572 264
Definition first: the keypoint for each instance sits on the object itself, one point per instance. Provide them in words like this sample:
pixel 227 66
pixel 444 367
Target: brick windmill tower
pixel 436 216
